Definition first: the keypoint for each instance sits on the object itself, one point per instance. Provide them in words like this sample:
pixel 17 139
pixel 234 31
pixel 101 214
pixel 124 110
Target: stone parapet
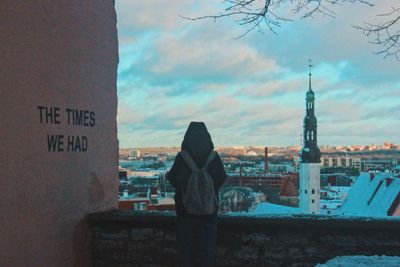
pixel 148 239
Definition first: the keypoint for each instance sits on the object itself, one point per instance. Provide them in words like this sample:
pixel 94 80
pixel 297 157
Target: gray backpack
pixel 199 197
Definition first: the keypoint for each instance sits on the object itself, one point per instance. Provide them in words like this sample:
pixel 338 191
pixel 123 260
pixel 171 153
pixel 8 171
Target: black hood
pixel 197 142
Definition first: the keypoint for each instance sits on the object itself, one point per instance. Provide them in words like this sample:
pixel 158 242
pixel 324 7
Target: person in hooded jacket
pixel 196 235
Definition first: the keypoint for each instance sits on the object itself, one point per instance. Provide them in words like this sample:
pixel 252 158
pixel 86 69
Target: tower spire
pixel 309 74
pixel 310 157
pixel 310 152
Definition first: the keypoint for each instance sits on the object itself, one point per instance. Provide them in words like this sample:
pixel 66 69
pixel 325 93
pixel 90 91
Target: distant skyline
pixel 321 145
pixel 251 91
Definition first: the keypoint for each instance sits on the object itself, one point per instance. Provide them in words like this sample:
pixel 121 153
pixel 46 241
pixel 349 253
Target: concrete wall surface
pixel 58 135
pixel 148 239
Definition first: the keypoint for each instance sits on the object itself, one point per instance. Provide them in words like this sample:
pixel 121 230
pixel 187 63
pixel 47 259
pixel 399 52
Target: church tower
pixel 310 158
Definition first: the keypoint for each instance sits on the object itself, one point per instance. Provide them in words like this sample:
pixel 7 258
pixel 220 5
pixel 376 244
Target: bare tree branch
pixel 264 14
pixel 259 14
pixel 386 34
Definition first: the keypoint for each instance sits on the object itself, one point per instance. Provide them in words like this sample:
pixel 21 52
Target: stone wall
pixel 148 239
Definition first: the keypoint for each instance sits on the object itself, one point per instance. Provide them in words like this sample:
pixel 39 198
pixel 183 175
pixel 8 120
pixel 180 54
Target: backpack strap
pixel 189 161
pixel 209 159
pixel 192 165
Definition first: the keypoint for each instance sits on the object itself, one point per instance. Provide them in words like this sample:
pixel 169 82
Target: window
pixel 313 191
pixel 343 162
pixel 305 191
pixel 312 201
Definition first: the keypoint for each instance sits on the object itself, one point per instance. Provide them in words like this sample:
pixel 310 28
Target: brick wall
pixel 148 239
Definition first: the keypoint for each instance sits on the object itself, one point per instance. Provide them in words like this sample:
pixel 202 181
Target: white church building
pixel 310 159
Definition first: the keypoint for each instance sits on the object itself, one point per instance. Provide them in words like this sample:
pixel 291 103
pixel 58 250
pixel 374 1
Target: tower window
pixel 313 191
pixel 312 201
pixel 305 191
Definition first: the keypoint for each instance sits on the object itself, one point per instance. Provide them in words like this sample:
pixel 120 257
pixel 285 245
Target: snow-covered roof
pixel 372 195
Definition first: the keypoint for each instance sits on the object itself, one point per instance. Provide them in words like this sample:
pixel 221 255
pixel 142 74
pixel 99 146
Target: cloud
pixel 187 58
pixel 127 115
pixel 251 90
pixel 145 15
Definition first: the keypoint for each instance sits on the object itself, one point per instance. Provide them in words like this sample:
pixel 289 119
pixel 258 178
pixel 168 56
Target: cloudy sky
pixel 250 91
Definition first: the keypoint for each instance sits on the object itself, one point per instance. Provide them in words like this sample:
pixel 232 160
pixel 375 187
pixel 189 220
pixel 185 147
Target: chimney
pixel 266 160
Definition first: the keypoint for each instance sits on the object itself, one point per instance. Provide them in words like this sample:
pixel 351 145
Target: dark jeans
pixel 196 238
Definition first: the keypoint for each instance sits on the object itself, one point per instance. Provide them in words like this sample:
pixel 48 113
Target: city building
pixel 344 162
pixel 130 203
pixel 134 154
pixel 236 199
pixel 310 159
pixel 122 174
pixel 378 164
pixel 266 160
pixel 164 185
pixel 336 179
pixel 261 181
pixel 289 193
pixel 281 168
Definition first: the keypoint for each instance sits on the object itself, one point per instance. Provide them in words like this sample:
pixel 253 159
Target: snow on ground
pixel 269 208
pixel 362 261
